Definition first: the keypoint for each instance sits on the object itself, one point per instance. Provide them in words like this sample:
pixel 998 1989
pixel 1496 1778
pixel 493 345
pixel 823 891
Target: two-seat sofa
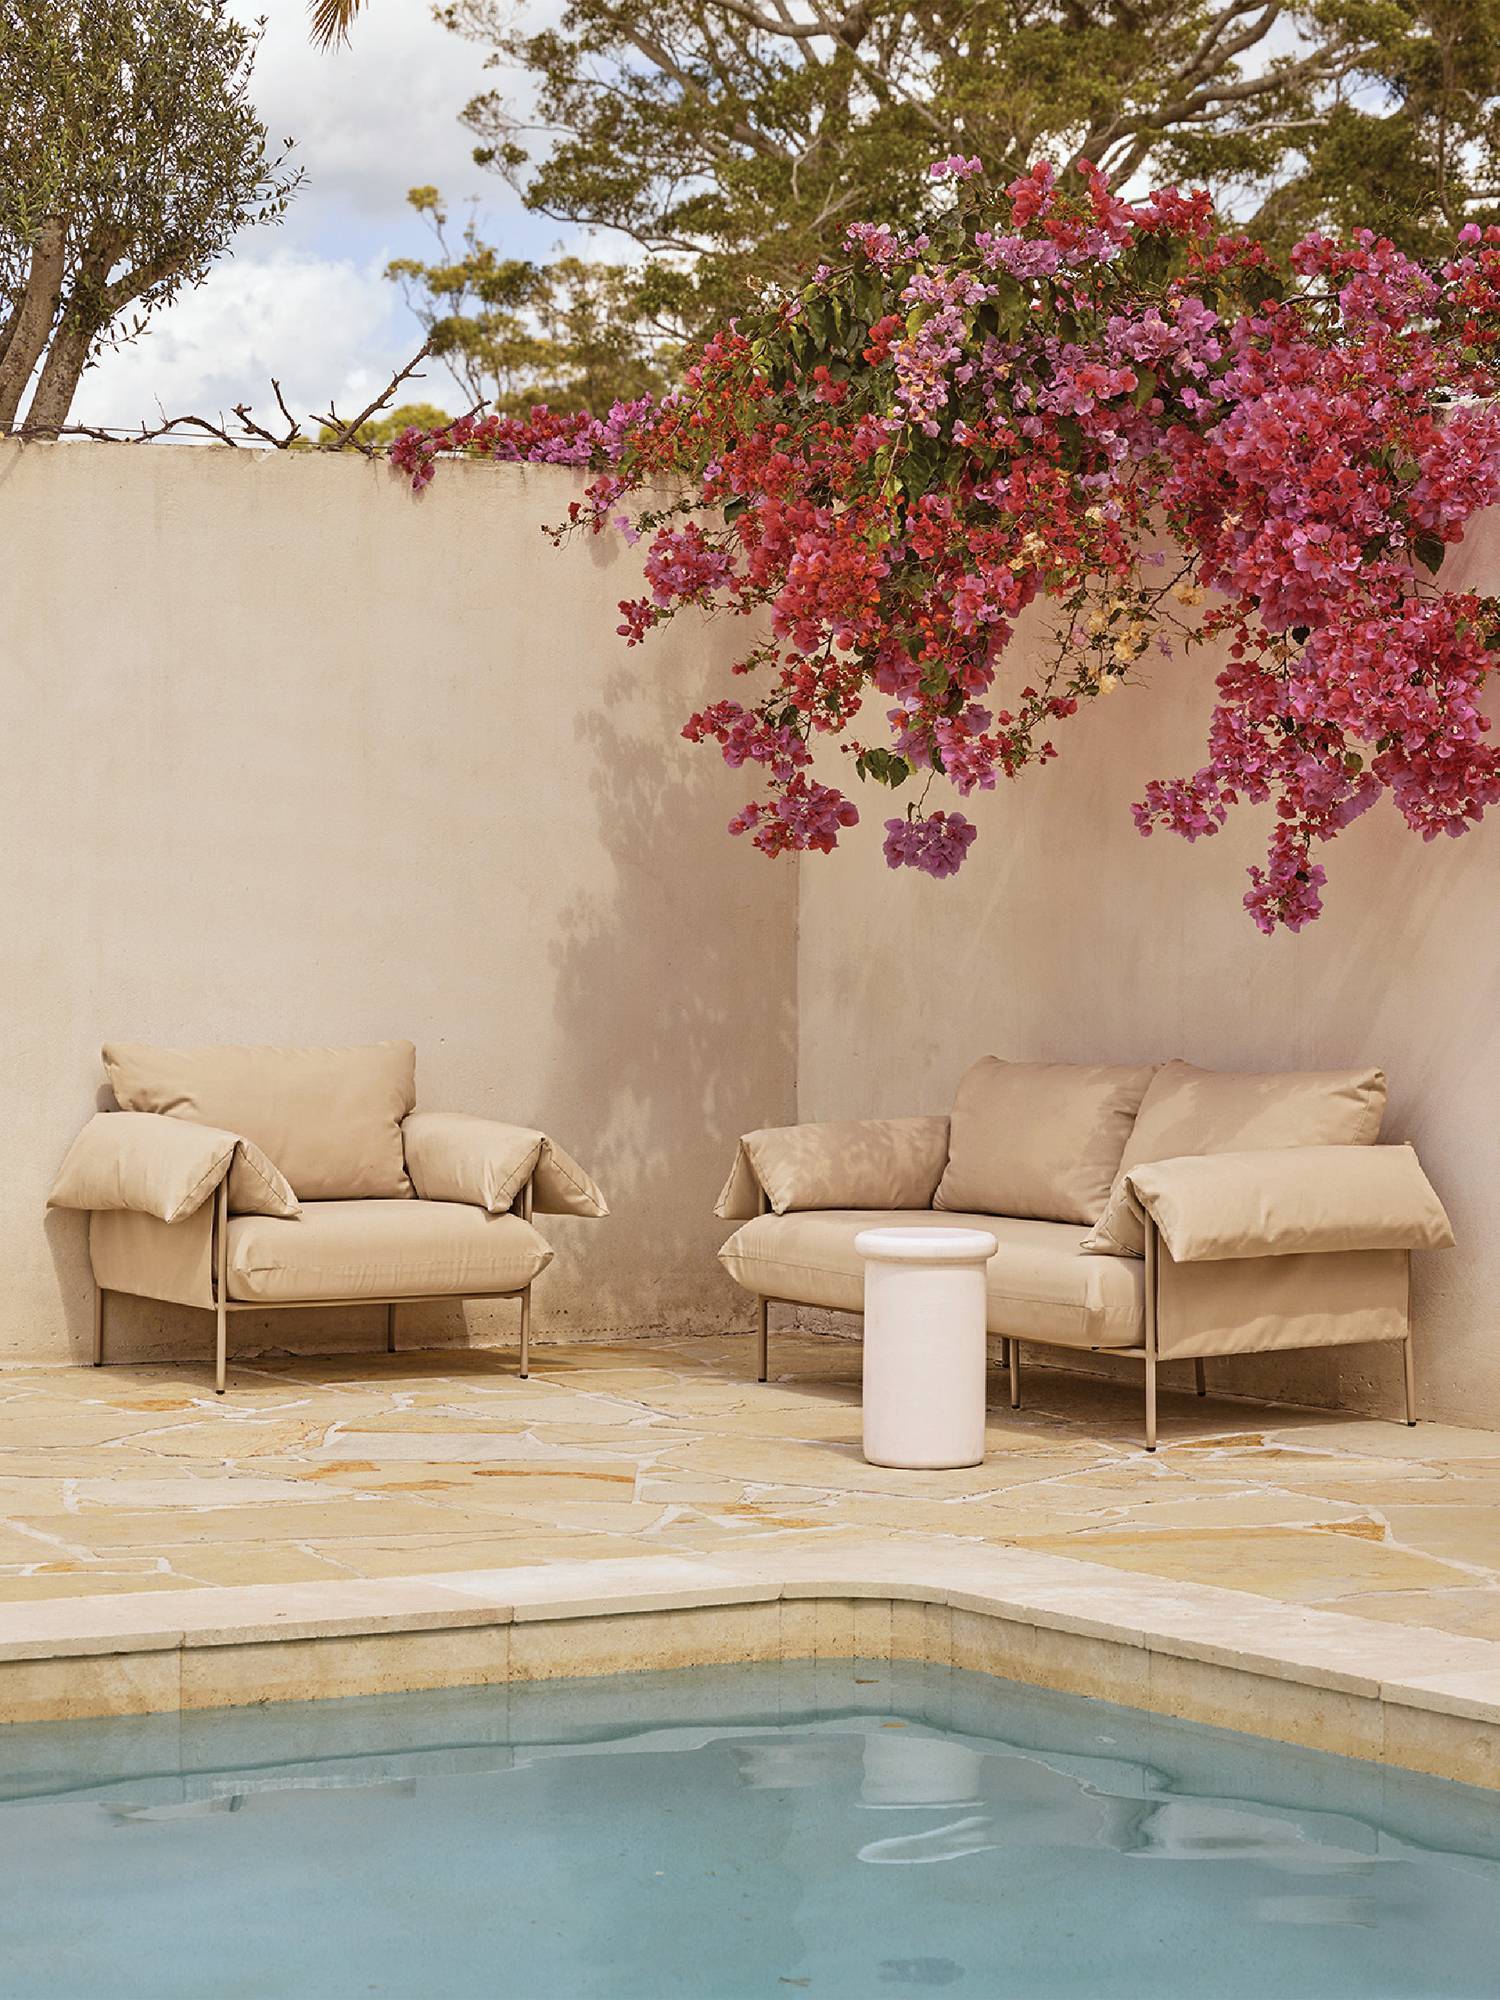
pixel 252 1179
pixel 1158 1212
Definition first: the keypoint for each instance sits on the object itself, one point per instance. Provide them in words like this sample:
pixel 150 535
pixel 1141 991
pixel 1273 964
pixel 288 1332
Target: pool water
pixel 750 1833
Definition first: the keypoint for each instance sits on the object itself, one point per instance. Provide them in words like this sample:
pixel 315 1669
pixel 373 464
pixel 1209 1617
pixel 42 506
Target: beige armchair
pixel 253 1179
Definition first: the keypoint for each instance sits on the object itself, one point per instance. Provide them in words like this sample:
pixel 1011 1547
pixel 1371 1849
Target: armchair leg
pixel 390 1329
pixel 1151 1399
pixel 221 1346
pixel 762 1340
pixel 98 1326
pixel 525 1333
pixel 221 1284
pixel 1409 1377
pixel 1200 1380
pixel 1013 1361
pixel 1150 1276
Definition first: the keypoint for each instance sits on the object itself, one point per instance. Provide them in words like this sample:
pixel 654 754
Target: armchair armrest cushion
pixel 166 1167
pixel 853 1163
pixel 453 1157
pixel 1282 1202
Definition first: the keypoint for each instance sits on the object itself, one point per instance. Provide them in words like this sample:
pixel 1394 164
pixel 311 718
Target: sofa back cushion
pixel 330 1119
pixel 1039 1141
pixel 1190 1110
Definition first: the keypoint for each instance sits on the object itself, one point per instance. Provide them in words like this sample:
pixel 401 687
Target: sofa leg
pixel 762 1340
pixel 525 1369
pixel 390 1329
pixel 98 1326
pixel 1150 1399
pixel 1013 1362
pixel 1409 1378
pixel 221 1346
pixel 1200 1380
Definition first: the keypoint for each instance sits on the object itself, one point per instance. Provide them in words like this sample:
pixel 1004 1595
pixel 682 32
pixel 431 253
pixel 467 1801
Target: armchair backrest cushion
pixel 330 1119
pixel 1191 1111
pixel 1039 1141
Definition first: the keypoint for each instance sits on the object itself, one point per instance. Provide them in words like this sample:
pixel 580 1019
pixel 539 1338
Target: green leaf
pixel 1430 551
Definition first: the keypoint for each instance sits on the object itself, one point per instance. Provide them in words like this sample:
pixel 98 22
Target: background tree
pixel 130 155
pixel 513 334
pixel 734 139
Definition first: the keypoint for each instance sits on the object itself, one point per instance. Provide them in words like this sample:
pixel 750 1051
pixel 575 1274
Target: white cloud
pixel 322 326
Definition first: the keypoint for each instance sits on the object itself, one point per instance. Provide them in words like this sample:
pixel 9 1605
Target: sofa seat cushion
pixel 1040 1285
pixel 382 1249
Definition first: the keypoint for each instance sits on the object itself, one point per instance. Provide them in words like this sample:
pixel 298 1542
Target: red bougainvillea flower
pixel 887 467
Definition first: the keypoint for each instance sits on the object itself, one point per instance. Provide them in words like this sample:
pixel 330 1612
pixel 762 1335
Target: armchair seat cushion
pixel 382 1250
pixel 1040 1284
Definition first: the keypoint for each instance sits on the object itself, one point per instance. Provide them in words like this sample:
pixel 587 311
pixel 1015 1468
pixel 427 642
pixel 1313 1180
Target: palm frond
pixel 331 20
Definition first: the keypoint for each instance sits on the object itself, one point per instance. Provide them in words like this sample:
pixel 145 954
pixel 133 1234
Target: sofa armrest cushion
pixel 166 1167
pixel 451 1156
pixel 1289 1200
pixel 853 1163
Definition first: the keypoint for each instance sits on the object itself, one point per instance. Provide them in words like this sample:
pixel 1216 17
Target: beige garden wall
pixel 293 757
pixel 1067 937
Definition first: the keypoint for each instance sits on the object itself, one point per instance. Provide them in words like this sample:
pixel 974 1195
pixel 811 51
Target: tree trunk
pixel 33 318
pixel 60 372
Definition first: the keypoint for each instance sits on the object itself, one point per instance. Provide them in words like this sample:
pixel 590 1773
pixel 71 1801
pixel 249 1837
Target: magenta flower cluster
pixel 889 465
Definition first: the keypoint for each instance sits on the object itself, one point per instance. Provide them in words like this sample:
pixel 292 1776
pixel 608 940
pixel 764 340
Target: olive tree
pixel 130 155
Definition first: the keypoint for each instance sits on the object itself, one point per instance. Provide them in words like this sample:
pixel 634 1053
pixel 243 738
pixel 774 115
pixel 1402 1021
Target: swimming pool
pixel 847 1832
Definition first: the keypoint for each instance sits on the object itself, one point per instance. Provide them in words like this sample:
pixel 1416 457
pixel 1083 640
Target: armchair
pixel 328 1189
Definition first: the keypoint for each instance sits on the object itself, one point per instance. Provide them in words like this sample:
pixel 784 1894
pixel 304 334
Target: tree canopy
pixel 734 139
pixel 130 155
pixel 514 333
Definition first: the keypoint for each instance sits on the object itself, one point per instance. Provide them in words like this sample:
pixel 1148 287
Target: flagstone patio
pixel 137 1479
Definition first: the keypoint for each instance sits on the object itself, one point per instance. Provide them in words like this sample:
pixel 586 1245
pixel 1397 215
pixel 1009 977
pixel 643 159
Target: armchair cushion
pixel 165 1167
pixel 1197 1111
pixel 1040 1141
pixel 383 1250
pixel 853 1163
pixel 329 1118
pixel 1291 1200
pixel 453 1157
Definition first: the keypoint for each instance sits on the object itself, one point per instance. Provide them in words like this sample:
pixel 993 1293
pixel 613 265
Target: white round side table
pixel 924 1345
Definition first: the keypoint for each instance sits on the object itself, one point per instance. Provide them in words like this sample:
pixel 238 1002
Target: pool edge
pixel 1407 1696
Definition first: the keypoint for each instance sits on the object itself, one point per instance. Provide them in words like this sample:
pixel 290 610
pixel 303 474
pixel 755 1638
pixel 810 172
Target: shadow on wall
pixel 680 1027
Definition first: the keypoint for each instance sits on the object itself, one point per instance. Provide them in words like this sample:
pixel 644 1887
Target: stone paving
pixel 139 1479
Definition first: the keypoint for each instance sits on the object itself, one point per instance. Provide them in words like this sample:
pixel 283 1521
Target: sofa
pixel 1158 1212
pixel 257 1179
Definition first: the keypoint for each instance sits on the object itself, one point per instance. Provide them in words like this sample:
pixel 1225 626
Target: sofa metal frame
pixel 1011 1347
pixel 224 1305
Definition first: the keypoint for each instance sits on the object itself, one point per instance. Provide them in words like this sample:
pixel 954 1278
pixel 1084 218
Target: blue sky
pixel 306 301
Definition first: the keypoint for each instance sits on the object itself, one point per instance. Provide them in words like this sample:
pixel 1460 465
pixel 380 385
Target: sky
pixel 306 301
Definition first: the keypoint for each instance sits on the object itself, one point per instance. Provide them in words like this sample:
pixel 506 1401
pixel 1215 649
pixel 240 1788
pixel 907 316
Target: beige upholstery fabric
pixel 1039 1286
pixel 1258 1305
pixel 130 1160
pixel 1305 1198
pixel 131 1252
pixel 329 1118
pixel 1188 1110
pixel 850 1163
pixel 382 1249
pixel 1039 1140
pixel 453 1157
pixel 560 1186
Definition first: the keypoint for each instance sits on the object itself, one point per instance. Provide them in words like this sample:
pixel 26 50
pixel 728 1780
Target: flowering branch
pixel 891 465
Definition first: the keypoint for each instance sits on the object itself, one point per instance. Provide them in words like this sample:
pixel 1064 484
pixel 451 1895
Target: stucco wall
pixel 1067 937
pixel 292 757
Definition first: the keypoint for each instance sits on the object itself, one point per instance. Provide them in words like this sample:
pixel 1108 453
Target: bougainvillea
pixel 1056 394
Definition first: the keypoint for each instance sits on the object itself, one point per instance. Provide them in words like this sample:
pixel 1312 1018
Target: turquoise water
pixel 753 1833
